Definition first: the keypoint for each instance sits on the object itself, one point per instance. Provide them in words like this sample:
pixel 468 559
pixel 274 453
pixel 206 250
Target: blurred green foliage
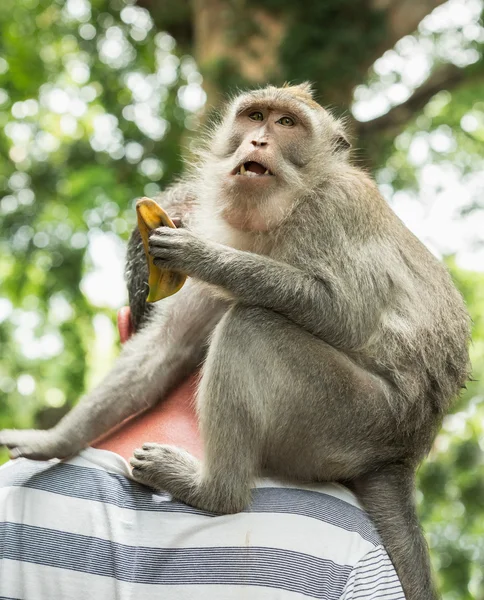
pixel 90 121
pixel 94 102
pixel 451 482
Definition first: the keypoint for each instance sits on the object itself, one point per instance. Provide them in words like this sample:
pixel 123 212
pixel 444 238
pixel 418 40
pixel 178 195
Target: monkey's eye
pixel 286 121
pixel 256 116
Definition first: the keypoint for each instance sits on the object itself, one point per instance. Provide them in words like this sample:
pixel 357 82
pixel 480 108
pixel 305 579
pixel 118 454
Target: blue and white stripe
pixel 82 529
pixel 373 577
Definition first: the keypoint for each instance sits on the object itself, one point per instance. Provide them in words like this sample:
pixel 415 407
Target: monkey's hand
pixel 180 250
pixel 38 444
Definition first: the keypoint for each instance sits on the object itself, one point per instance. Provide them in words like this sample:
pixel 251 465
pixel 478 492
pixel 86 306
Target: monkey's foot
pixel 36 444
pixel 167 468
pixel 173 470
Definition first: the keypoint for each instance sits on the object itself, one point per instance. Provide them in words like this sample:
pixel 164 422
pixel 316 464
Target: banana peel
pixel 162 283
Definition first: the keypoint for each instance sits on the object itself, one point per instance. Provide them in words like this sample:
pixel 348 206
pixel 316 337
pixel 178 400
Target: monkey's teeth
pixel 243 171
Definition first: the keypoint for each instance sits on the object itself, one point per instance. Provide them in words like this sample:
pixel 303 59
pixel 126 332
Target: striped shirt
pixel 83 530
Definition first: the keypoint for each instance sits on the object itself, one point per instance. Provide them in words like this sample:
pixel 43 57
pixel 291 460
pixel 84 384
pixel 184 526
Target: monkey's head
pixel 271 148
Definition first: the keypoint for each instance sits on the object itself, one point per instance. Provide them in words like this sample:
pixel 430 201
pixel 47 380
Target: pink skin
pixel 172 421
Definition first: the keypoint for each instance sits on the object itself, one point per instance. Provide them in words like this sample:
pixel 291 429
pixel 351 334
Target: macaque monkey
pixel 332 341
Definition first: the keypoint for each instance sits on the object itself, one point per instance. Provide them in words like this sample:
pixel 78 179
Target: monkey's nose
pixel 259 143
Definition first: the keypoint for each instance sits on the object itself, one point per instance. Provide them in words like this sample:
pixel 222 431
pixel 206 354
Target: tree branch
pixel 444 78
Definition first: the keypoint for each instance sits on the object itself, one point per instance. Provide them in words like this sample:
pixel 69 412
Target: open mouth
pixel 253 169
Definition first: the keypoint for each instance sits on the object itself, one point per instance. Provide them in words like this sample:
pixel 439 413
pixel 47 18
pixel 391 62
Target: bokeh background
pixel 99 102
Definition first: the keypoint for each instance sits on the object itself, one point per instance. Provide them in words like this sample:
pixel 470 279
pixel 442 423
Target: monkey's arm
pixel 318 303
pixel 151 364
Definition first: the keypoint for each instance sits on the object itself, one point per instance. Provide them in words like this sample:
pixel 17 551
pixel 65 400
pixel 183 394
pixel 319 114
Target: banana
pixel 162 283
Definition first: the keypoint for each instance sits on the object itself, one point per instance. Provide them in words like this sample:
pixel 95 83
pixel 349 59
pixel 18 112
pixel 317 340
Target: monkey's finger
pixel 160 251
pixel 150 446
pixel 139 454
pixel 165 258
pixel 163 241
pixel 12 438
pixel 136 463
pixel 8 444
pixel 15 453
pixel 27 452
pixel 167 254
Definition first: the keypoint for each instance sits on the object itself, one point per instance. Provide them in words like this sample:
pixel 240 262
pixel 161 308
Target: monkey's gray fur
pixel 333 342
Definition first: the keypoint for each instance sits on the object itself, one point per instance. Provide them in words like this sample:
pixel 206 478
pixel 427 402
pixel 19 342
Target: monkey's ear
pixel 341 142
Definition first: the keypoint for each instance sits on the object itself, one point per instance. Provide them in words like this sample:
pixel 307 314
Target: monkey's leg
pixel 151 363
pixel 231 422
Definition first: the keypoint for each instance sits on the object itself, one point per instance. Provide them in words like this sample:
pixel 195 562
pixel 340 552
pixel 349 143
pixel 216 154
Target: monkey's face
pixel 268 145
pixel 270 149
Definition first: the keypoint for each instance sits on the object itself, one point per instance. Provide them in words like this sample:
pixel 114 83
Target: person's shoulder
pixel 374 577
pixel 331 536
pixel 327 514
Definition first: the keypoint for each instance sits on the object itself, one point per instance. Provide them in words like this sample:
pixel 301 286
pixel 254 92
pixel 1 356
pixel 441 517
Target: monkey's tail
pixel 388 497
